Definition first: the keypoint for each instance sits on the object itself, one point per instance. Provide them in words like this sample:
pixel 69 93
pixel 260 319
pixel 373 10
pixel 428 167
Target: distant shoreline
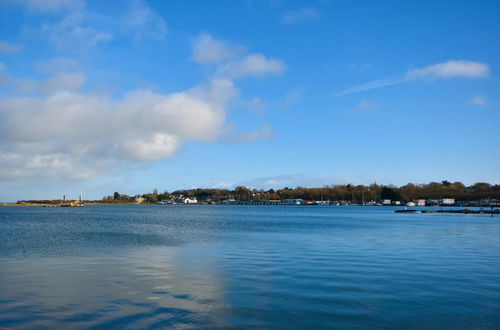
pixel 57 203
pixel 204 204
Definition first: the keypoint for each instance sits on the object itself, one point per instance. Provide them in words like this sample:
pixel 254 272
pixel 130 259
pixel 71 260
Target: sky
pixel 129 96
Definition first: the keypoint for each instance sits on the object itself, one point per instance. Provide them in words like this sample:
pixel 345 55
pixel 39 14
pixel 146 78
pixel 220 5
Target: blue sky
pixel 97 97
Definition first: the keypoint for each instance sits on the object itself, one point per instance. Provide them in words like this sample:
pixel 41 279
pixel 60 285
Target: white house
pixel 386 202
pixel 190 200
pixel 421 202
pixel 447 201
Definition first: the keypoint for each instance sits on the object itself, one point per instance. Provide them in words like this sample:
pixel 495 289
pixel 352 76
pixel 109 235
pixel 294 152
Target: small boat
pixel 405 211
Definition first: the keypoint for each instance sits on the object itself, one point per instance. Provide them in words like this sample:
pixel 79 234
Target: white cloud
pixel 8 48
pixel 143 21
pixel 77 135
pixel 51 5
pixel 206 49
pixel 479 101
pixel 299 15
pixel 446 70
pixel 251 65
pixel 451 69
pixel 52 128
pixel 73 33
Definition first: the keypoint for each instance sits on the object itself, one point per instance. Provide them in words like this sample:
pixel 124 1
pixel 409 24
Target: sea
pixel 247 267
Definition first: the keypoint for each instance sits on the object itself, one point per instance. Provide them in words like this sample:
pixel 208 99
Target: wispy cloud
pixel 73 32
pixel 446 70
pixel 292 97
pixel 451 69
pixel 143 22
pixel 50 5
pixel 266 132
pixel 479 101
pixel 232 137
pixel 372 85
pixel 231 62
pixel 251 65
pixel 257 105
pixel 222 185
pixel 299 15
pixel 288 180
pixel 8 48
pixel 57 64
pixel 77 28
pixel 363 106
pixel 207 49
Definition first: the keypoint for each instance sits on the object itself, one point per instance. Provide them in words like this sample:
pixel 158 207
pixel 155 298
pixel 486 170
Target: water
pixel 134 267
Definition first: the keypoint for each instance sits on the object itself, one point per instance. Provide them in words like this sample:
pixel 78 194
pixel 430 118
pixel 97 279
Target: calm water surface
pixel 133 267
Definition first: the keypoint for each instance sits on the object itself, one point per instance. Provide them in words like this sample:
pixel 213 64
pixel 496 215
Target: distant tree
pixel 434 190
pixel 151 198
pixel 163 196
pixel 390 193
pixel 242 193
pixel 481 186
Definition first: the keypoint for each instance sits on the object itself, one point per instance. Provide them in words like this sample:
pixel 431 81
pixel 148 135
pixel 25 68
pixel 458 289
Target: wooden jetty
pixel 461 211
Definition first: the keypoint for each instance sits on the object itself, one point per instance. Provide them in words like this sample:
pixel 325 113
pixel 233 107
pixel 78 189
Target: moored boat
pixel 405 211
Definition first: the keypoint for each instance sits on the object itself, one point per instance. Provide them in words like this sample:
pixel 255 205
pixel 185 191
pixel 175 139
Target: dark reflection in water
pixel 134 267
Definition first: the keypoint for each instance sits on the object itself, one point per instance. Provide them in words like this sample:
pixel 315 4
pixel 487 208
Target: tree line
pixel 347 192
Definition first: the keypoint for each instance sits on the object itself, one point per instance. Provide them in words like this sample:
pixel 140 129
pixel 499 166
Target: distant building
pixel 420 202
pixel 139 199
pixel 386 202
pixel 396 203
pixel 190 200
pixel 447 201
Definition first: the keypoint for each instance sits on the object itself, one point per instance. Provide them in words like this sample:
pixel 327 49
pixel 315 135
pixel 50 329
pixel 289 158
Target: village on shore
pixel 432 194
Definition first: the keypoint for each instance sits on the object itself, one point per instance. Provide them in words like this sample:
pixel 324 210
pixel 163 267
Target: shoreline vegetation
pixel 442 193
